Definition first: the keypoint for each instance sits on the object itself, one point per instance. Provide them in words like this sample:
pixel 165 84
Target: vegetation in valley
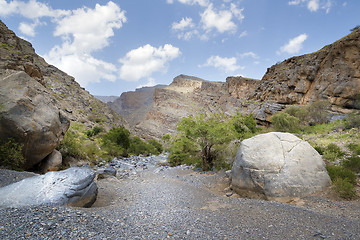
pixel 11 154
pixel 202 141
pixel 95 144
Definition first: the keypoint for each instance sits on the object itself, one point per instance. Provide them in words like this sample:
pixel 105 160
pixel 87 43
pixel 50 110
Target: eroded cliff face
pixel 332 73
pixel 134 105
pixel 188 95
pixel 77 104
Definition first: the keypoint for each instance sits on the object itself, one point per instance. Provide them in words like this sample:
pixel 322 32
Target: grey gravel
pixel 178 203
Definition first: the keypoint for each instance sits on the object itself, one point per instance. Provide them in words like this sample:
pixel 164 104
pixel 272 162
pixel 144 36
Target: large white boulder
pixel 74 187
pixel 278 165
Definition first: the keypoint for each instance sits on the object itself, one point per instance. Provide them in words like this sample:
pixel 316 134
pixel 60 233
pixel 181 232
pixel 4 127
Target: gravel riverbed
pixel 178 203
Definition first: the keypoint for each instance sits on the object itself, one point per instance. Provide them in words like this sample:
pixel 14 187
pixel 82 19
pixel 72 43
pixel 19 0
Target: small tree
pixel 117 141
pixel 207 133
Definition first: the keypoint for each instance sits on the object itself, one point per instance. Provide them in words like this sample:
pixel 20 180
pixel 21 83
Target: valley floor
pixel 178 203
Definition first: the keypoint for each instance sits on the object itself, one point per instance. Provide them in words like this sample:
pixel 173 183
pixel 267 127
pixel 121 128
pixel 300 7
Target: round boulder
pixel 30 115
pixel 278 165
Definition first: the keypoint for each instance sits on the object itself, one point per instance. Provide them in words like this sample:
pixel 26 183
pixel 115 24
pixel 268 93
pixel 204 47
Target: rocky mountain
pixel 106 99
pixel 190 95
pixel 38 101
pixel 134 105
pixel 332 73
pixel 78 104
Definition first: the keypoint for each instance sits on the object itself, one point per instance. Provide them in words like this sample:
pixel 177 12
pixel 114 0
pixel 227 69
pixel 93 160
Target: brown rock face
pixel 30 116
pixel 37 100
pixel 190 95
pixel 77 103
pixel 332 73
pixel 134 105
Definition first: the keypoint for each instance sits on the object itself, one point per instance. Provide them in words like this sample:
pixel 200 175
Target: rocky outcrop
pixel 332 73
pixel 278 165
pixel 134 105
pixel 30 116
pixel 37 100
pixel 77 103
pixel 74 187
pixel 188 95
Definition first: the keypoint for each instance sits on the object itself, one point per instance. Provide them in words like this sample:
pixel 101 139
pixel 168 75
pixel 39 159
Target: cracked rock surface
pixel 278 165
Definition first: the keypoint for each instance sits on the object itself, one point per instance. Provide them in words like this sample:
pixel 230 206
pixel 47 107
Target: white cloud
pixel 202 3
pixel 243 34
pixel 31 9
pixel 228 65
pixel 249 54
pixel 84 31
pixel 183 24
pixel 90 29
pixel 144 61
pixel 219 20
pixel 314 5
pixel 150 83
pixel 294 45
pixel 27 29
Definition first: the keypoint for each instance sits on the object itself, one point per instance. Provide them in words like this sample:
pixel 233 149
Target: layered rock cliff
pixel 134 105
pixel 332 73
pixel 190 95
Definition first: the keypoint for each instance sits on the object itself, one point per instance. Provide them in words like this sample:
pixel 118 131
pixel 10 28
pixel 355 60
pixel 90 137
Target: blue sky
pixel 116 46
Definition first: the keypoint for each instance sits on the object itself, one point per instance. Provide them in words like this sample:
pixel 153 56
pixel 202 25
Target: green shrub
pixel 244 124
pixel 344 188
pixel 319 149
pixel 355 148
pixel 183 151
pixel 284 122
pixel 93 132
pixel 70 145
pixel 317 112
pixel 138 146
pixel 352 120
pixel 156 145
pixel 352 163
pixel 333 152
pixel 117 141
pixel 11 154
pixel 336 172
pixel 298 112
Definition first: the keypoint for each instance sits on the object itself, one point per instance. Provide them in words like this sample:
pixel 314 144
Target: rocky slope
pixel 134 105
pixel 78 104
pixel 332 73
pixel 38 101
pixel 190 95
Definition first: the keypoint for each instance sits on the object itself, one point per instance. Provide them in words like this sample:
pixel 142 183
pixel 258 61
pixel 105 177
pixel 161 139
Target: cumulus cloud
pixel 144 61
pixel 31 9
pixel 28 28
pixel 243 34
pixel 219 20
pixel 183 24
pixel 314 5
pixel 212 20
pixel 228 65
pixel 294 45
pixel 249 54
pixel 84 31
pixel 202 3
